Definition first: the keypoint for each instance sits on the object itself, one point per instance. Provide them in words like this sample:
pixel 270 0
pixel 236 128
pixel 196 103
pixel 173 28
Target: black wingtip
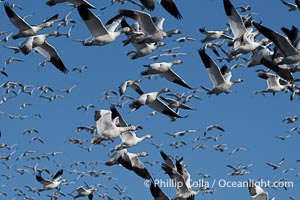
pixel 228 7
pixel 83 11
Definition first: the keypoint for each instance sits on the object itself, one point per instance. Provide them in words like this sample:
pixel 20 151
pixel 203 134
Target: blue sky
pixel 250 121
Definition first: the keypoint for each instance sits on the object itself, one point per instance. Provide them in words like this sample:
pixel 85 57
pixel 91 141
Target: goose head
pixel 125 30
pixel 164 90
pixel 148 136
pixel 239 80
pixel 178 61
pixel 143 154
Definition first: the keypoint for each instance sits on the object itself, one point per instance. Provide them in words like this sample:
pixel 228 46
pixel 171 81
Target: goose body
pixel 164 69
pixel 39 43
pixel 150 99
pixel 50 184
pixel 219 77
pixel 275 84
pixel 101 35
pixel 153 31
pixel 26 30
pixel 107 128
pixel 213 35
pixel 290 54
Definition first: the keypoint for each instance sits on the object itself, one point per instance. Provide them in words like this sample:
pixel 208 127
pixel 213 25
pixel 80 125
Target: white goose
pixel 75 2
pixel 128 138
pixel 290 53
pixel 101 35
pixel 130 83
pixel 26 30
pixel 182 176
pixel 275 83
pixel 164 69
pixel 256 192
pixel 213 35
pixel 132 162
pixel 219 78
pixel 39 43
pixel 150 99
pixel 83 192
pixel 107 126
pixel 153 32
pixel 235 21
pixel 50 184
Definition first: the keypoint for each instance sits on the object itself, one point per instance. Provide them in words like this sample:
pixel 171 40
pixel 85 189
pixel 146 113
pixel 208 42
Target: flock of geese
pixel 278 53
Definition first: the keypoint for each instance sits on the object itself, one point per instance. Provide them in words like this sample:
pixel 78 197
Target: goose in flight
pixel 39 43
pixel 219 77
pixel 179 174
pixel 75 2
pixel 128 138
pixel 50 184
pixel 291 55
pixel 150 99
pixel 165 69
pixel 101 35
pixel 235 21
pixel 132 162
pixel 168 5
pixel 256 192
pixel 26 30
pixel 130 83
pixel 107 126
pixel 290 5
pixel 275 84
pixel 152 28
pixel 213 35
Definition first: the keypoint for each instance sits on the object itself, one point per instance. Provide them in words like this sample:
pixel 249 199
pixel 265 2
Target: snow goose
pixel 128 138
pixel 39 43
pixel 168 5
pixel 176 104
pixel 83 192
pixel 290 53
pixel 107 126
pixel 290 5
pixel 275 83
pixel 75 2
pixel 130 161
pixel 256 192
pixel 182 176
pixel 164 69
pixel 26 30
pixel 234 19
pixel 152 32
pixel 101 35
pixel 213 35
pixel 50 184
pixel 219 78
pixel 153 102
pixel 130 83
